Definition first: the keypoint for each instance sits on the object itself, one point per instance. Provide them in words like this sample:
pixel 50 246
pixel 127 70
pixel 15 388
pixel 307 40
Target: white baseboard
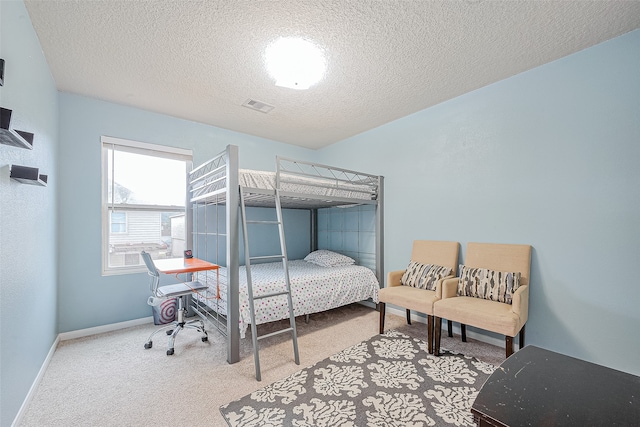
pixel 68 336
pixel 36 383
pixel 456 327
pixel 80 333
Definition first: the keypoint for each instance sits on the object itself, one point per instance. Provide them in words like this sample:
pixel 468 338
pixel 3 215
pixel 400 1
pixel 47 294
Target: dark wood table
pixel 538 387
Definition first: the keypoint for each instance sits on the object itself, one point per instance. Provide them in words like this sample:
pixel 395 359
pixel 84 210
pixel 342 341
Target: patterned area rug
pixel 389 380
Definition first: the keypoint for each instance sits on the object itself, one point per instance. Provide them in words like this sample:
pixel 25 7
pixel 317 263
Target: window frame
pixel 107 143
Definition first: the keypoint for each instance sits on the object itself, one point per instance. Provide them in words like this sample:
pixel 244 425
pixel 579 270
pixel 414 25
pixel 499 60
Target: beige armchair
pixel 479 311
pixel 437 253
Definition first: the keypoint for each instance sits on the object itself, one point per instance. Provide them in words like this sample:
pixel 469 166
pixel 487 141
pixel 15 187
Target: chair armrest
pixel 449 287
pixel 393 278
pixel 439 286
pixel 520 303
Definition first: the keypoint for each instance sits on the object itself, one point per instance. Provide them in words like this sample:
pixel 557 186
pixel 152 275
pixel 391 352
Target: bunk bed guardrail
pixel 209 179
pixel 290 171
pixel 302 183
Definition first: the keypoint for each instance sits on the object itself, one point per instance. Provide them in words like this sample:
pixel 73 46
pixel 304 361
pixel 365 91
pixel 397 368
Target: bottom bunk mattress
pixel 313 289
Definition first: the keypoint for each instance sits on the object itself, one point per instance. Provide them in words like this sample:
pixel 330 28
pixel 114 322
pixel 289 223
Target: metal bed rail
pixel 217 162
pixel 203 305
pixel 323 176
pixel 210 180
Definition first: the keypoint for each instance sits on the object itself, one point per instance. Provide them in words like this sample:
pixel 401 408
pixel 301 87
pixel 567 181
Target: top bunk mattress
pixel 304 185
pixel 315 187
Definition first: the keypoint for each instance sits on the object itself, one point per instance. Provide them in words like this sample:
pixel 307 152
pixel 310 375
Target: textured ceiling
pixel 200 60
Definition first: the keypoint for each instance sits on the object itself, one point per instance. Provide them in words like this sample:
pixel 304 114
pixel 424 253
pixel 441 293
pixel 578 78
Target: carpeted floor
pixel 111 380
pixel 388 380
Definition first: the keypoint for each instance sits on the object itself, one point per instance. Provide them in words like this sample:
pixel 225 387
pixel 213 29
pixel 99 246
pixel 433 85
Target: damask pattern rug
pixel 388 380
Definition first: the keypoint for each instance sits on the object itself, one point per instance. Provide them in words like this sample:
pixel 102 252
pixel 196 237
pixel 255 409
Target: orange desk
pixel 183 265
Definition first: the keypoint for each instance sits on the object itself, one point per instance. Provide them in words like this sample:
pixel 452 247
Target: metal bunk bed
pixel 218 194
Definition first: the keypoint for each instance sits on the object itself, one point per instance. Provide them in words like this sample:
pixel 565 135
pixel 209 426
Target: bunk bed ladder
pixel 287 291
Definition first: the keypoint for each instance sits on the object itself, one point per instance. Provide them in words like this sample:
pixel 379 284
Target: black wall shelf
pixel 18 138
pixel 28 175
pixel 13 137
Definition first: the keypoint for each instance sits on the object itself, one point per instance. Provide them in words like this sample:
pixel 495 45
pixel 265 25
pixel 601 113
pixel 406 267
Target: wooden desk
pixel 537 387
pixel 183 265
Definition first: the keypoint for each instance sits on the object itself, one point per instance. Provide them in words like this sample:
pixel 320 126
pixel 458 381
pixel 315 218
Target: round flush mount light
pixel 295 63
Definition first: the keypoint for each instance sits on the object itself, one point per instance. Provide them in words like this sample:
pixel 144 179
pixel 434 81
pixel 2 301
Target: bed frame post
pixel 233 251
pixel 188 215
pixel 314 230
pixel 188 226
pixel 380 232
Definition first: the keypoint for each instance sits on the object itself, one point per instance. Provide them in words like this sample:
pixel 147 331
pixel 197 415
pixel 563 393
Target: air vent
pixel 258 105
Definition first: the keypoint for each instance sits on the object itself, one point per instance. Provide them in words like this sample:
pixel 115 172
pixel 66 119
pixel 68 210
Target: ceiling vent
pixel 258 105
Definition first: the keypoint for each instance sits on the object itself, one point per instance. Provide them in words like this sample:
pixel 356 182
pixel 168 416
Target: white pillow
pixel 325 258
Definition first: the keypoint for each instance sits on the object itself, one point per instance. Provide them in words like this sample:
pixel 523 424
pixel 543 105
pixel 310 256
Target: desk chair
pixel 179 291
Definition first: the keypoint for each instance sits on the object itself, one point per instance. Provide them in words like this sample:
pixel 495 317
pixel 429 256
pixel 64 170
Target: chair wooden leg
pixel 408 316
pixel 463 332
pixel 430 332
pixel 509 345
pixel 436 338
pixel 521 338
pixel 450 328
pixel 382 309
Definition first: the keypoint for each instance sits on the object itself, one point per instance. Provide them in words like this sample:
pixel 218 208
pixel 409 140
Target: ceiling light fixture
pixel 295 63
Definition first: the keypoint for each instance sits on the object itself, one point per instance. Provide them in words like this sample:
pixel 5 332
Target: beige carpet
pixel 111 380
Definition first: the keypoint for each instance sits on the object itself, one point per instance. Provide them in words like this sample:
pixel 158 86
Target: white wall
pixel 28 214
pixel 547 158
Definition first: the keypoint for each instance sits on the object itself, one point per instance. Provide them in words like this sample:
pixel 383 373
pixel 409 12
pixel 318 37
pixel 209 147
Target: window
pixel 118 222
pixel 144 193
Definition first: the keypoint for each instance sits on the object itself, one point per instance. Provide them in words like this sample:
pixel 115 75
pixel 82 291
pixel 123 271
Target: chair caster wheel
pixel 169 352
pixel 170 331
pixel 205 339
pixel 148 345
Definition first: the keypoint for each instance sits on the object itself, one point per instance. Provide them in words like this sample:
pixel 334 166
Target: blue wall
pixel 28 214
pixel 87 299
pixel 548 158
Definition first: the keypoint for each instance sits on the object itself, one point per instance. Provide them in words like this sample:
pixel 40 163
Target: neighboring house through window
pixel 118 222
pixel 144 190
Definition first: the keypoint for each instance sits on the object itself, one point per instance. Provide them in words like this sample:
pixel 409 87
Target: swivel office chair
pixel 179 291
